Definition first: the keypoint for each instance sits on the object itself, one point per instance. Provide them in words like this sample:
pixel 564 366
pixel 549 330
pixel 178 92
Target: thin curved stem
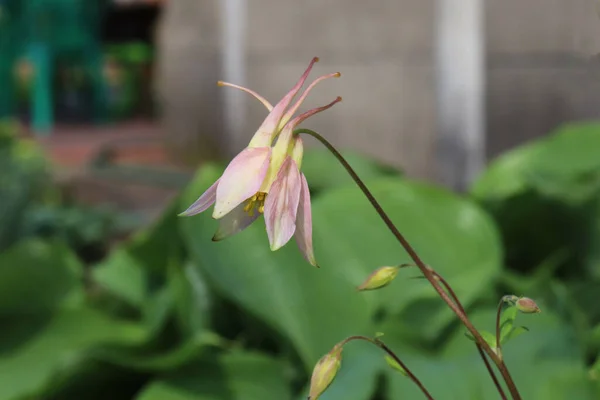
pixel 397 359
pixel 427 272
pixel 498 316
pixel 479 349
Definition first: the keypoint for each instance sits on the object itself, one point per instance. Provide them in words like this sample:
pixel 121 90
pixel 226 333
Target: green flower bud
pixel 394 365
pixel 527 306
pixel 379 278
pixel 324 372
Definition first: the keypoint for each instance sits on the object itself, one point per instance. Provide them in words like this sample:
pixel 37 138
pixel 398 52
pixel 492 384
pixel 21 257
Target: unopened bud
pixel 527 306
pixel 394 364
pixel 379 278
pixel 324 372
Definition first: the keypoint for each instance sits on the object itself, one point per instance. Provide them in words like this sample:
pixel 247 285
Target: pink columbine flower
pixel 266 178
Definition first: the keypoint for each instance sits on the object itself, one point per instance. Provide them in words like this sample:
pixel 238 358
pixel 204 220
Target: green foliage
pixel 31 206
pixel 170 315
pixel 545 198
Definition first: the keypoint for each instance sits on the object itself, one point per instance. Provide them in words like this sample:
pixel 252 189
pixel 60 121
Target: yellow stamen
pixel 255 202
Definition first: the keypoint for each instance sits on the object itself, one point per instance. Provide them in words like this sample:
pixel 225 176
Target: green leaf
pixel 513 333
pixel 233 376
pixel 566 154
pixel 489 338
pixel 508 330
pixel 545 196
pixel 323 171
pixel 190 298
pixel 151 360
pixel 35 352
pixel 547 364
pixel 123 276
pixel 37 276
pixel 451 234
pixel 314 308
pixel 507 321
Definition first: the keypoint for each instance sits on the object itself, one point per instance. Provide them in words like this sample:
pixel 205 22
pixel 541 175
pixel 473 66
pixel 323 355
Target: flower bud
pixel 324 372
pixel 379 278
pixel 394 365
pixel 527 306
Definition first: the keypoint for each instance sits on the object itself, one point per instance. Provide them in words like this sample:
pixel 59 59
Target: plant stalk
pixel 426 271
pixel 391 353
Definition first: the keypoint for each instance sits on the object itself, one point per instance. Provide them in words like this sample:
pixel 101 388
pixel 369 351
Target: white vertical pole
pixel 460 58
pixel 233 33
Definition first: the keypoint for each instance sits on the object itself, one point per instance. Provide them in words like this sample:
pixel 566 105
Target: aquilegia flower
pixel 265 177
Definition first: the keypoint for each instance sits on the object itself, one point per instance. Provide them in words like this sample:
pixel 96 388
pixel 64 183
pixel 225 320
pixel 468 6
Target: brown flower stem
pixel 479 349
pixel 391 353
pixel 426 271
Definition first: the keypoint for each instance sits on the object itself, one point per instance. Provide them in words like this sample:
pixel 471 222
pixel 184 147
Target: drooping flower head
pixel 265 177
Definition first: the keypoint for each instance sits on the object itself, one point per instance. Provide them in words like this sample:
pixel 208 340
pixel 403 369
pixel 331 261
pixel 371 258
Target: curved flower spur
pixel 265 177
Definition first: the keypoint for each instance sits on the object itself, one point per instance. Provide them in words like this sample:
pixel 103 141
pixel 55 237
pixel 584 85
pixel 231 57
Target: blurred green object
pixel 545 198
pixel 23 181
pixel 31 206
pixel 48 31
pixel 171 315
pixel 128 64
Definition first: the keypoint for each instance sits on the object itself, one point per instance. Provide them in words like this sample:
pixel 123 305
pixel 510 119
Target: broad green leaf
pixel 506 175
pixel 316 308
pixel 37 276
pixel 451 234
pixel 324 171
pixel 546 364
pixel 159 245
pixel 233 376
pixel 313 308
pixel 545 196
pixel 568 153
pixel 190 298
pixel 152 360
pixel 34 353
pixel 123 276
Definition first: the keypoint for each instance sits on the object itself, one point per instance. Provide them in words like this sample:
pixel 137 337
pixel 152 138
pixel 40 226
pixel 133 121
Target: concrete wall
pixel 539 71
pixel 541 67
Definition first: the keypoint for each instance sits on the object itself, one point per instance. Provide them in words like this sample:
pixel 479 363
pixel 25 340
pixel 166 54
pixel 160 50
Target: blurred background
pixel 475 123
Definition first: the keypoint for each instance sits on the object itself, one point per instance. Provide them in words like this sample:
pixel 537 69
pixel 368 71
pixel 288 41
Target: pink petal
pixel 204 201
pixel 264 134
pixel 281 205
pixel 235 221
pixel 264 101
pixel 242 179
pixel 300 118
pixel 304 224
pixel 290 112
pixel 286 132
